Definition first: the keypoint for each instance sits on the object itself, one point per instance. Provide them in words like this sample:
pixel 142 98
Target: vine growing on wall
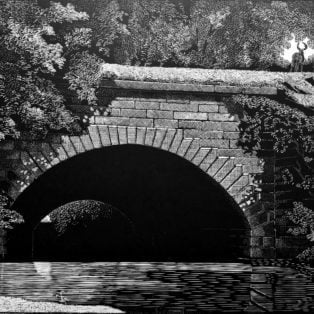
pixel 269 124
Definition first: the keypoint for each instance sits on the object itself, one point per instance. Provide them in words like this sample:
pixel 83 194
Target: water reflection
pixel 146 286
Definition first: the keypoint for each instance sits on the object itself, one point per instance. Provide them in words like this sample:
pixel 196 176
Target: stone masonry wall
pixel 200 127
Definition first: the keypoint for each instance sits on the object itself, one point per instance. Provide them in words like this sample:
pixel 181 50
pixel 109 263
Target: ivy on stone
pixel 287 128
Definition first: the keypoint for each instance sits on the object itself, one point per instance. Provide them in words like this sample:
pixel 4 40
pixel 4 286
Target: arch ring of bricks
pixel 229 174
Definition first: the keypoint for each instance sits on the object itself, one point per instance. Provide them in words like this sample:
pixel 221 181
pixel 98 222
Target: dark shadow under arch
pixel 178 210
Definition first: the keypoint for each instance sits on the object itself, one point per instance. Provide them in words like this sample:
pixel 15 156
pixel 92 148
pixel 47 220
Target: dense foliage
pixel 287 126
pixel 47 47
pixel 44 46
pixel 80 213
pixel 268 121
pixel 89 228
pixel 30 57
pixel 8 218
pixel 303 218
pixel 211 34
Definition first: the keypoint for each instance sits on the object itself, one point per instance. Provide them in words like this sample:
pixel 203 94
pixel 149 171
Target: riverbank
pixel 8 304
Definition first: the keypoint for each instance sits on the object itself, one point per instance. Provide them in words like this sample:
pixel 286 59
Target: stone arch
pixel 36 157
pixel 195 202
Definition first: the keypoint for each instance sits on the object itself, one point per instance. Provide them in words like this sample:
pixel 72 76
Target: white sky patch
pixel 46 219
pixel 288 52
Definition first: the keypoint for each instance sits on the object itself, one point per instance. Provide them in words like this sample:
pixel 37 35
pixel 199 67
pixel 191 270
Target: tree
pixel 88 43
pixel 45 50
pixel 254 33
pixel 211 34
pixel 206 17
pixel 158 34
pixel 30 57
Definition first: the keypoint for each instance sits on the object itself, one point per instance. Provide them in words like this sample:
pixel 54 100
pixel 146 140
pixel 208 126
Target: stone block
pixel 77 143
pixel 87 142
pixel 234 175
pixel 151 97
pixel 104 135
pixel 232 152
pixel 225 170
pixel 159 137
pixel 150 134
pixel 208 108
pixel 140 135
pixel 113 133
pixel 200 155
pixel 209 159
pixel 159 114
pixel 192 150
pixel 149 105
pixel 58 152
pixel 179 107
pixel 112 120
pixel 250 90
pixel 168 139
pixel 94 135
pixel 122 133
pixel 191 125
pixel 165 123
pixel 122 104
pixel 220 126
pixel 217 165
pixel 228 89
pixel 133 113
pixel 115 112
pixel 190 115
pixel 68 146
pixel 176 141
pixel 239 184
pixel 131 133
pixel 203 134
pixel 184 146
pixel 217 143
pixel 141 122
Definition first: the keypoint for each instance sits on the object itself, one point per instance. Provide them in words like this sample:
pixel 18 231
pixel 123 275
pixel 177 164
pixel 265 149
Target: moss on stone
pixel 199 76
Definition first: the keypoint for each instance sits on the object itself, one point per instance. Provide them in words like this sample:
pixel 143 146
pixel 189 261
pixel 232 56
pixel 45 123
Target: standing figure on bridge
pixel 298 59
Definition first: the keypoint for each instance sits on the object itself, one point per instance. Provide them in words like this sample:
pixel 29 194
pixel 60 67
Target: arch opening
pixel 177 210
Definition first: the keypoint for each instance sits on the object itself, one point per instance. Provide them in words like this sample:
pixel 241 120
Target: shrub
pixel 80 213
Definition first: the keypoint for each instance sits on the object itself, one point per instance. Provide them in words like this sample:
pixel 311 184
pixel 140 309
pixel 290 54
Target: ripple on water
pixel 149 286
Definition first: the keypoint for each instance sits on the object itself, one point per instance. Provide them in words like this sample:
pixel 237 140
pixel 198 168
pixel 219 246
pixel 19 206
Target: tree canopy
pixel 50 47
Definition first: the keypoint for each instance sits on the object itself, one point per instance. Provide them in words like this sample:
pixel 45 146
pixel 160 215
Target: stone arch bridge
pixel 192 121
